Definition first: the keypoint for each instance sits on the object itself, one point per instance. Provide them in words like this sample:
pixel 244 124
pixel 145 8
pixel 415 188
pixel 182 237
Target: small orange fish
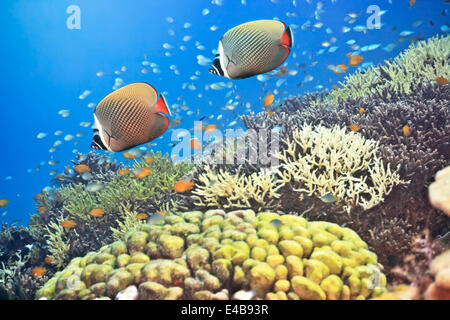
pixel 143 173
pixel 210 128
pixel 361 110
pixel 41 209
pixel 48 259
pixel 124 172
pixel 142 216
pixel 269 113
pixel 68 224
pixel 441 80
pixel 354 127
pixel 128 155
pixel 335 87
pixel 268 100
pixel 98 212
pixel 195 144
pixel 355 60
pixel 149 160
pixel 38 272
pixel 38 197
pixel 81 168
pixel 406 131
pixel 182 186
pixel 412 2
pixel 340 69
pixel 3 202
pixel 66 171
pixel 162 213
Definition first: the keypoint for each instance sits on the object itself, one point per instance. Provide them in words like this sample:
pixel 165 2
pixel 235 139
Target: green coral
pixel 57 243
pixel 196 255
pixel 424 61
pixel 121 199
pixel 157 186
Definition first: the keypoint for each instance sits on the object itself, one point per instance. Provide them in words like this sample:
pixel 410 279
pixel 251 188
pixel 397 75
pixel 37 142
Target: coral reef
pixel 101 169
pixel 218 255
pixel 409 118
pixel 18 255
pixel 120 200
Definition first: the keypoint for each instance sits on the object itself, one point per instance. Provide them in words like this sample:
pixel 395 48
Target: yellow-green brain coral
pixel 195 255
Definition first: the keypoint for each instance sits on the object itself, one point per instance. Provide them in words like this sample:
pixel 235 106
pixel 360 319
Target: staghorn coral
pixel 215 255
pixel 57 243
pixel 320 161
pixel 129 222
pixel 223 189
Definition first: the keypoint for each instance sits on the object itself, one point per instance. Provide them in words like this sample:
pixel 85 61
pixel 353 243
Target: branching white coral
pixel 225 190
pixel 320 161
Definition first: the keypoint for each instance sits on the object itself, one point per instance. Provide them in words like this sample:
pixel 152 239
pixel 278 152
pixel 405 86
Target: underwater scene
pixel 225 150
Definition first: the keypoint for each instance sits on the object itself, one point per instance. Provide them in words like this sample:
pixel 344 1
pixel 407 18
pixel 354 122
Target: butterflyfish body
pixel 129 116
pixel 252 48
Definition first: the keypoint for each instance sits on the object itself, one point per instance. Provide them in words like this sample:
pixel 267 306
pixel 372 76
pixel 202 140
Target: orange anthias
pixel 442 80
pixel 144 172
pixel 97 212
pixel 183 186
pixel 124 172
pixel 406 131
pixel 38 272
pixel 128 155
pixel 68 224
pixel 142 216
pixel 81 168
pixel 268 100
